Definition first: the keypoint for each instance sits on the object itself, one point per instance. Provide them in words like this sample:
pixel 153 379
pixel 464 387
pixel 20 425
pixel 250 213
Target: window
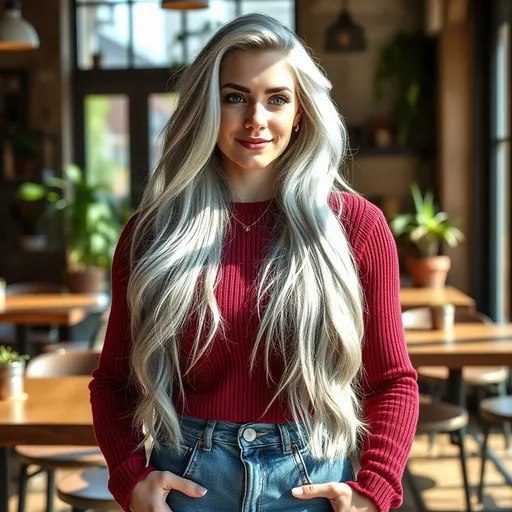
pixel 124 53
pixel 107 142
pixel 113 34
pixel 160 108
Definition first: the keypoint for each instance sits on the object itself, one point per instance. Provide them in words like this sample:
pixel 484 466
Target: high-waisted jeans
pixel 248 467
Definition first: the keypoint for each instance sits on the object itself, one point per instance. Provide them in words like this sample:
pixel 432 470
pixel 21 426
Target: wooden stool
pixel 493 410
pixel 86 490
pixel 438 417
pixel 50 458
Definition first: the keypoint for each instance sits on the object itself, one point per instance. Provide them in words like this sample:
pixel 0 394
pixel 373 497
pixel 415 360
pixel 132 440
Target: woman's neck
pixel 250 186
pixel 250 195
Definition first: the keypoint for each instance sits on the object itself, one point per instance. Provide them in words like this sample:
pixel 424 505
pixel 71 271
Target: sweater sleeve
pixel 389 381
pixel 112 396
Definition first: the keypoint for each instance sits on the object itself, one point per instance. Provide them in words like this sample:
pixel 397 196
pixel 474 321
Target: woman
pixel 255 333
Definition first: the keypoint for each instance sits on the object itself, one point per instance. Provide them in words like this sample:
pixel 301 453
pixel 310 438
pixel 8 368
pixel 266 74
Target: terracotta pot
pixel 429 272
pixel 91 280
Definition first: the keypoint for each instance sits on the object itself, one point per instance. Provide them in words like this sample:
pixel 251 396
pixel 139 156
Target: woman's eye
pixel 234 97
pixel 279 100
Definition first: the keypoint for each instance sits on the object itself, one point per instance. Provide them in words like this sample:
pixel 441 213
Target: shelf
pixel 392 151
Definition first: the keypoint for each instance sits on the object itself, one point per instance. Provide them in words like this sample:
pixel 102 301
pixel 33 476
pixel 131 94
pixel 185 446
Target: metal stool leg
pixel 416 496
pixel 432 437
pixel 480 395
pixel 461 435
pixel 436 392
pixel 487 430
pixel 507 427
pixel 50 490
pixel 22 488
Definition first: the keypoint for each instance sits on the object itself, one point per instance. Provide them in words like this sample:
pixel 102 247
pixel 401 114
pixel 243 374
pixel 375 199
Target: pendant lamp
pixel 344 35
pixel 185 5
pixel 15 32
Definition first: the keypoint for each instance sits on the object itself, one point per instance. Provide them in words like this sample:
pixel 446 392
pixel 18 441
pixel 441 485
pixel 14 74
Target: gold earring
pixel 296 127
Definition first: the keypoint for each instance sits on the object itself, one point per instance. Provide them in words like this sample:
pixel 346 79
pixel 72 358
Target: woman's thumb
pixel 177 483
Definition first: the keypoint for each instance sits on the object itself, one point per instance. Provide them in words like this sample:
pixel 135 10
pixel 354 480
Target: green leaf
pixel 74 174
pixel 426 227
pixel 400 223
pixel 56 183
pixel 417 198
pixel 31 192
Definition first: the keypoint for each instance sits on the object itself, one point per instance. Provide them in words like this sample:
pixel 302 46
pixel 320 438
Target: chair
pixel 39 334
pixel 492 410
pixel 435 418
pixel 95 341
pixel 476 377
pixel 50 458
pixel 86 490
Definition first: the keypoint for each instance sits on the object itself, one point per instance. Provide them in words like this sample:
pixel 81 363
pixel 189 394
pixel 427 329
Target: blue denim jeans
pixel 248 467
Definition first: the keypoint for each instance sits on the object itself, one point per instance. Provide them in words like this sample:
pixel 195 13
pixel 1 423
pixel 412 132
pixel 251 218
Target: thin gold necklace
pixel 248 227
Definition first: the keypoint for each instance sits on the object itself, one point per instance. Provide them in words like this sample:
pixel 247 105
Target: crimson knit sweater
pixel 222 389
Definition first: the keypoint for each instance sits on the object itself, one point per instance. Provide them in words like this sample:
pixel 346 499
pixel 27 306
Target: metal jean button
pixel 249 434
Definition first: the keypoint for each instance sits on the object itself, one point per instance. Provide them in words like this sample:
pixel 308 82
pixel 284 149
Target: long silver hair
pixel 313 314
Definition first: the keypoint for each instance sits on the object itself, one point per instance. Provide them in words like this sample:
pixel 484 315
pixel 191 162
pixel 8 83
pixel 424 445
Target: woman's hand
pixel 341 496
pixel 150 493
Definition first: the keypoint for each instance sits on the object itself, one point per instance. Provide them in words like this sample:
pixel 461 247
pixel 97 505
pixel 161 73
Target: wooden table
pixel 56 411
pixel 419 297
pixel 470 345
pixel 64 309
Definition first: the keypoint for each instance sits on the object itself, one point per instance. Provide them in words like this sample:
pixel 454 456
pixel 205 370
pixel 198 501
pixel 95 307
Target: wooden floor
pixel 438 476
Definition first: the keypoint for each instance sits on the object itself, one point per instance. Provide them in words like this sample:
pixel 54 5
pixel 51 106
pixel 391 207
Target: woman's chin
pixel 254 164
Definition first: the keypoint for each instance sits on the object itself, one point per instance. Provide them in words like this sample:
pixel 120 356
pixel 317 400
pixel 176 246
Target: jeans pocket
pixel 315 471
pixel 183 463
pixel 301 465
pixel 194 457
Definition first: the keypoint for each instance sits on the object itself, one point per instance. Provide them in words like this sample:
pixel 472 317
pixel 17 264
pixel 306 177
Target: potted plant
pixel 12 369
pixel 33 205
pixel 426 229
pixel 93 219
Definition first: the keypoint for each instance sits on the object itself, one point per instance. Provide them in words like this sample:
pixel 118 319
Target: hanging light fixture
pixel 344 35
pixel 185 5
pixel 15 32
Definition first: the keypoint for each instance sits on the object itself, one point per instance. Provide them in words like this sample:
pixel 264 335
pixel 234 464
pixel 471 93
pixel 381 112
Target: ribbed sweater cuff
pixel 377 489
pixel 125 477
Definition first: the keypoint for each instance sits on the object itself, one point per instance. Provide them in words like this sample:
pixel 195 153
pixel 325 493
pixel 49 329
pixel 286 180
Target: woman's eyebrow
pixel 242 88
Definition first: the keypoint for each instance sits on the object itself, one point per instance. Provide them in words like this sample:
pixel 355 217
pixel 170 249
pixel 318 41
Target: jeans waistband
pixel 243 434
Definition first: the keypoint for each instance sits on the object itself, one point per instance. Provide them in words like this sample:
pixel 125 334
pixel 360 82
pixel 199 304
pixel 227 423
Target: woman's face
pixel 259 109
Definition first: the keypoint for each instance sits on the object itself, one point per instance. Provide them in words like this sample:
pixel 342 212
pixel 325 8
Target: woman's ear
pixel 298 117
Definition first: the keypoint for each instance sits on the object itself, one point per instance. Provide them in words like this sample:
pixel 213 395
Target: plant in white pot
pixel 12 369
pixel 93 220
pixel 426 229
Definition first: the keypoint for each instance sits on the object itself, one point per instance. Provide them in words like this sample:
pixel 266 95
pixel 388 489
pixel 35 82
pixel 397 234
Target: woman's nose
pixel 256 117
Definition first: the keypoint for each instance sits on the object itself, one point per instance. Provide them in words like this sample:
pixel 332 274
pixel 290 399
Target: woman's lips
pixel 254 145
